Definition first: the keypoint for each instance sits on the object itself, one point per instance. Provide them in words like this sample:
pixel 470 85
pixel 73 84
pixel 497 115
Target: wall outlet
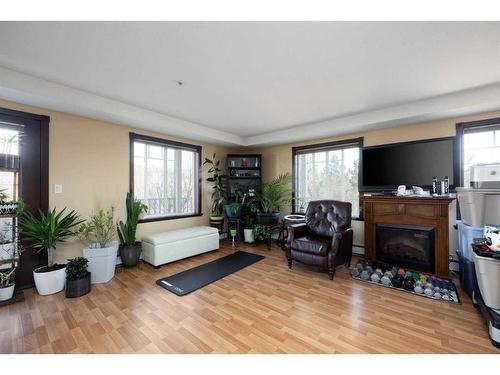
pixel 58 188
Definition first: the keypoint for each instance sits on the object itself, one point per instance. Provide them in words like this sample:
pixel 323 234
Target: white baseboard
pixel 358 250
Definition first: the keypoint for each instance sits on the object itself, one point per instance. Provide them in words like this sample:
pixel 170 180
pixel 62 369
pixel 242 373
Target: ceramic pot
pixel 248 235
pixel 217 222
pixel 50 281
pixel 232 214
pixel 6 292
pixel 130 254
pixel 102 262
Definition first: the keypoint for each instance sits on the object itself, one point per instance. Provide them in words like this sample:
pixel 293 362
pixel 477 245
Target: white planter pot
pixel 49 282
pixel 248 234
pixel 102 262
pixel 6 292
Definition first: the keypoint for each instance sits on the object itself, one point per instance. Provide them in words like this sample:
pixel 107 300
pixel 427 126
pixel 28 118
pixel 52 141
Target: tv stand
pixel 429 212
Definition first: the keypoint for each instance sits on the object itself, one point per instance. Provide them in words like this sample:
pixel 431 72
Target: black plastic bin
pixel 467 273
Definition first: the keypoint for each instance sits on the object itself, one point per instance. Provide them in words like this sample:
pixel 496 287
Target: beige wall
pixel 90 159
pixel 278 159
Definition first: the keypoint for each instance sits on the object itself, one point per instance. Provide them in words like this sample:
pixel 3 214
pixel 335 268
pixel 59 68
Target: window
pixel 327 171
pixel 10 136
pixel 165 176
pixel 480 143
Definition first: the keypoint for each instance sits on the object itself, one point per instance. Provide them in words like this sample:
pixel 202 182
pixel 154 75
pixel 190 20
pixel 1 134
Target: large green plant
pixel 275 194
pixel 99 229
pixel 127 230
pixel 216 178
pixel 46 231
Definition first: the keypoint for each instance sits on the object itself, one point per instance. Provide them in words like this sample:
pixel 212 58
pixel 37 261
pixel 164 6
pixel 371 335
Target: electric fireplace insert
pixel 407 246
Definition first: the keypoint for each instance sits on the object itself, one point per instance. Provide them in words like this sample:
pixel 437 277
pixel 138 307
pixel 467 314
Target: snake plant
pixel 127 230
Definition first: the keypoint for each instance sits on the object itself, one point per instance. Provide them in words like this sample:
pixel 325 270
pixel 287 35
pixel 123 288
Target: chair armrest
pixel 295 231
pixel 342 241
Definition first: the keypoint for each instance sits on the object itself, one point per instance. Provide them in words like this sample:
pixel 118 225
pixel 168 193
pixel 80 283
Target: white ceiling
pixel 253 83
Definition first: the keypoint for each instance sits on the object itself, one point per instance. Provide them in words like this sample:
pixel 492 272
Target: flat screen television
pixel 386 167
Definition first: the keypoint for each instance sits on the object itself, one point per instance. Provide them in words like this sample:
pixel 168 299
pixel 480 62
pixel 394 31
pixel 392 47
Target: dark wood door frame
pixel 34 185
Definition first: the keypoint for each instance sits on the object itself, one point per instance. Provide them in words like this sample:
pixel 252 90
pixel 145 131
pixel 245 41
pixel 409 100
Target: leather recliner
pixel 325 240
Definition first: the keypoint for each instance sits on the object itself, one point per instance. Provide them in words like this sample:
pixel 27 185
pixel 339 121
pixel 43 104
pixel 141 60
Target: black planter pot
pixel 78 287
pixel 269 220
pixel 130 254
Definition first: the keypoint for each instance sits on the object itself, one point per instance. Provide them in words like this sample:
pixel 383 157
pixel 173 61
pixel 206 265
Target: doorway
pixel 24 174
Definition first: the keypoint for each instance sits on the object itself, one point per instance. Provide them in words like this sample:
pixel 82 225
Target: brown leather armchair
pixel 325 240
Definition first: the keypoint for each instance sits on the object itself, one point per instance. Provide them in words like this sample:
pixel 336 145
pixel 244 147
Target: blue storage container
pixel 466 234
pixel 467 273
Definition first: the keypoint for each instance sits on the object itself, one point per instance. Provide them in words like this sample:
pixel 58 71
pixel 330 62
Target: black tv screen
pixel 414 163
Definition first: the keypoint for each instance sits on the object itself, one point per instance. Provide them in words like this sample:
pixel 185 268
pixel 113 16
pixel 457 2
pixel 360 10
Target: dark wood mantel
pixel 423 211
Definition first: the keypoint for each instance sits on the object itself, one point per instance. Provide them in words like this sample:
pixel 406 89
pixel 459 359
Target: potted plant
pixel 248 225
pixel 77 277
pixel 272 198
pixel 261 233
pixel 235 207
pixel 10 252
pixel 44 233
pixel 219 191
pixel 130 250
pixel 98 232
pixel 6 284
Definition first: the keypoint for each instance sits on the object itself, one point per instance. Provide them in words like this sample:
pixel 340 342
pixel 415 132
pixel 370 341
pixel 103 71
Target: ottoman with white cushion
pixel 166 247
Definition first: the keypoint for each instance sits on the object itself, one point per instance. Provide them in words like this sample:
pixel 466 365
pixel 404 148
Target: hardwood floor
pixel 264 308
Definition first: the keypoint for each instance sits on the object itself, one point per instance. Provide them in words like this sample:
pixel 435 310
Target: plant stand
pixel 271 229
pixel 235 221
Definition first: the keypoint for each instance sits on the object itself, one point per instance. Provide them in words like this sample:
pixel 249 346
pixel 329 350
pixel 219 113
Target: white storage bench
pixel 166 247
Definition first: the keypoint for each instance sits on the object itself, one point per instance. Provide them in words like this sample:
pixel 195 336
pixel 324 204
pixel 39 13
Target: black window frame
pixel 173 144
pixel 345 143
pixel 462 128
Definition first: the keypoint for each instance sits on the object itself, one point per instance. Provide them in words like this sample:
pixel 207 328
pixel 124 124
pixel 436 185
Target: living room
pixel 198 187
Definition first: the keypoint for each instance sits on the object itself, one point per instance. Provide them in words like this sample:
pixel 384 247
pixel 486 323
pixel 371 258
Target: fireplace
pixel 406 246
